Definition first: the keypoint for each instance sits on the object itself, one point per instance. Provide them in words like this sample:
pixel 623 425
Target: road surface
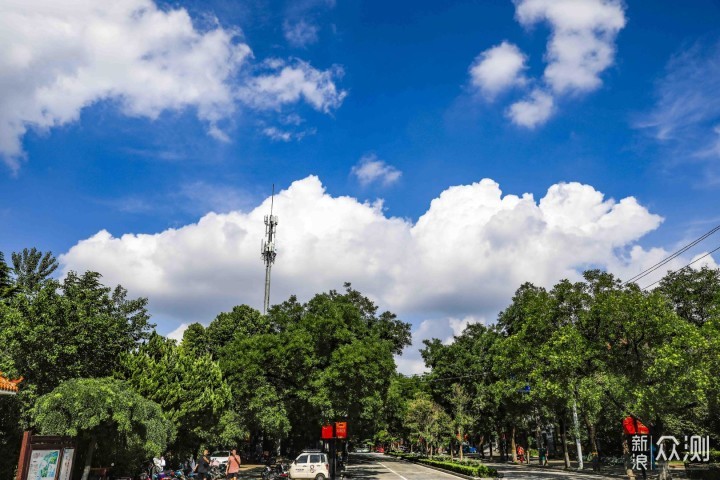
pixel 372 466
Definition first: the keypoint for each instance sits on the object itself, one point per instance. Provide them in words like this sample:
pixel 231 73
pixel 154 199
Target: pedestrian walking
pixel 233 465
pixel 203 466
pixel 543 453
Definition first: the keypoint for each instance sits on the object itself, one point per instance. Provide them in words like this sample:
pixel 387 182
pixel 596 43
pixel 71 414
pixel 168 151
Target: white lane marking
pixel 393 471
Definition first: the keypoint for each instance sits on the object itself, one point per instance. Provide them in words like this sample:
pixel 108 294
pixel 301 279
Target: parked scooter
pixel 278 471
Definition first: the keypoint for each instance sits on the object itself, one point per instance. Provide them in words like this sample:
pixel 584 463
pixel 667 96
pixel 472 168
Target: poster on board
pixel 43 464
pixel 66 463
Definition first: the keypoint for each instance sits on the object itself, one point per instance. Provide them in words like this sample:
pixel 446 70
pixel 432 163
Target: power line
pixel 684 249
pixel 683 268
pixel 440 379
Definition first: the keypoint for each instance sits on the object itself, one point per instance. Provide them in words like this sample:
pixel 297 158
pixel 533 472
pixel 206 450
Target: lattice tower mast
pixel 268 249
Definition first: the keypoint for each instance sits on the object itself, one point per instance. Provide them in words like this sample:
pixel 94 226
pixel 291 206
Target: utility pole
pixel 267 249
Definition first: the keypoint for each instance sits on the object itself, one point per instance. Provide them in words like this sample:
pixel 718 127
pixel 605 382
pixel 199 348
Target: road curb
pixel 551 469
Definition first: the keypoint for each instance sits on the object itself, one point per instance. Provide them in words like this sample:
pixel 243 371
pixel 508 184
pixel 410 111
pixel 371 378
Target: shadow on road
pixel 364 468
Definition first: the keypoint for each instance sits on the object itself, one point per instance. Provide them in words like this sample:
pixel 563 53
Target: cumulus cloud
pixel 580 48
pixel 498 68
pixel 582 42
pixel 371 169
pixel 59 57
pixel 533 111
pixel 460 262
pixel 289 82
pixel 300 33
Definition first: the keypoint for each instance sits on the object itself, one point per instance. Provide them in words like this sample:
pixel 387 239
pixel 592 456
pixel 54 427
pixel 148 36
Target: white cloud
pixel 533 111
pixel 411 362
pixel 498 68
pixel 686 115
pixel 300 33
pixel 582 42
pixel 371 169
pixel 203 197
pixel 459 262
pixel 178 333
pixel 59 57
pixel 294 81
pixel 280 135
pixel 580 48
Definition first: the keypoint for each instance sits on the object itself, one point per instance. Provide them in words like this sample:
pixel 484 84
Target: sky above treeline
pixel 434 154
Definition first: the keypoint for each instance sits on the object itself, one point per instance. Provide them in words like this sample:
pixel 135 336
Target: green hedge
pixel 467 467
pixel 472 470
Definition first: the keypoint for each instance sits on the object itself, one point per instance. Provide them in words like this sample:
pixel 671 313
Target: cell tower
pixel 267 249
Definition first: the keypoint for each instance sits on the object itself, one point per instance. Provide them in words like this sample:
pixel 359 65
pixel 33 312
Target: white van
pixel 312 465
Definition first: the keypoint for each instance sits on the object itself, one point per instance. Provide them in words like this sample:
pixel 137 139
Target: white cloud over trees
pixel 459 262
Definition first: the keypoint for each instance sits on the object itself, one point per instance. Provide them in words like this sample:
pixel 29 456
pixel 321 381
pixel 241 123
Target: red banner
pixel 326 432
pixel 633 426
pixel 341 429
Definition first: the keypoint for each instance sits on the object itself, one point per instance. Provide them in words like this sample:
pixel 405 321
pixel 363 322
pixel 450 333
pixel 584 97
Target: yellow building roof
pixel 8 386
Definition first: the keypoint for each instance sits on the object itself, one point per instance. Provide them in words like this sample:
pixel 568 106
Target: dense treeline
pixel 94 368
pixel 607 349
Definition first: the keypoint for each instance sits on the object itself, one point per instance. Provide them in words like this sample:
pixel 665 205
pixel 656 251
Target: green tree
pixel 104 412
pixel 195 340
pixel 462 414
pixel 694 294
pixel 32 267
pixel 189 388
pixel 61 330
pixel 429 425
pixel 7 284
pixel 74 329
pixel 304 364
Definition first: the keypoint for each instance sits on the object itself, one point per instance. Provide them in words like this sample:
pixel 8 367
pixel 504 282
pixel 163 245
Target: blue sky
pixel 383 88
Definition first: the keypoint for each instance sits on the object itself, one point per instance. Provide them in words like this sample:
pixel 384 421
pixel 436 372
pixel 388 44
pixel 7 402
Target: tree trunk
pixel 89 457
pixel 462 439
pixel 513 447
pixel 501 446
pixel 592 434
pixel 626 458
pixel 563 440
pixel 490 448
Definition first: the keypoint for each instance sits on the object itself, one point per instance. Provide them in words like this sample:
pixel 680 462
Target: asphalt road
pixel 371 466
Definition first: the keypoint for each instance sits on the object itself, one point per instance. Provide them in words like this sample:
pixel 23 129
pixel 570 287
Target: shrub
pixel 472 470
pixel 467 467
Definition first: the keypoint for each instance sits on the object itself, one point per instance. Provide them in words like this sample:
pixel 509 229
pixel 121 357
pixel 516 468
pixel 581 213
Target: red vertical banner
pixel 326 432
pixel 341 429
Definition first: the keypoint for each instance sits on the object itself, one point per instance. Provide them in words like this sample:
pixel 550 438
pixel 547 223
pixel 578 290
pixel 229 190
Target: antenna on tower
pixel 267 249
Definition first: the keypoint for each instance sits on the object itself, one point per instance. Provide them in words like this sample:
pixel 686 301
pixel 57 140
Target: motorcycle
pixel 278 471
pixel 216 472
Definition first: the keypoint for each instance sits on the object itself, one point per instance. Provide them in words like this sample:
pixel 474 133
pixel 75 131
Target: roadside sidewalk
pixel 605 470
